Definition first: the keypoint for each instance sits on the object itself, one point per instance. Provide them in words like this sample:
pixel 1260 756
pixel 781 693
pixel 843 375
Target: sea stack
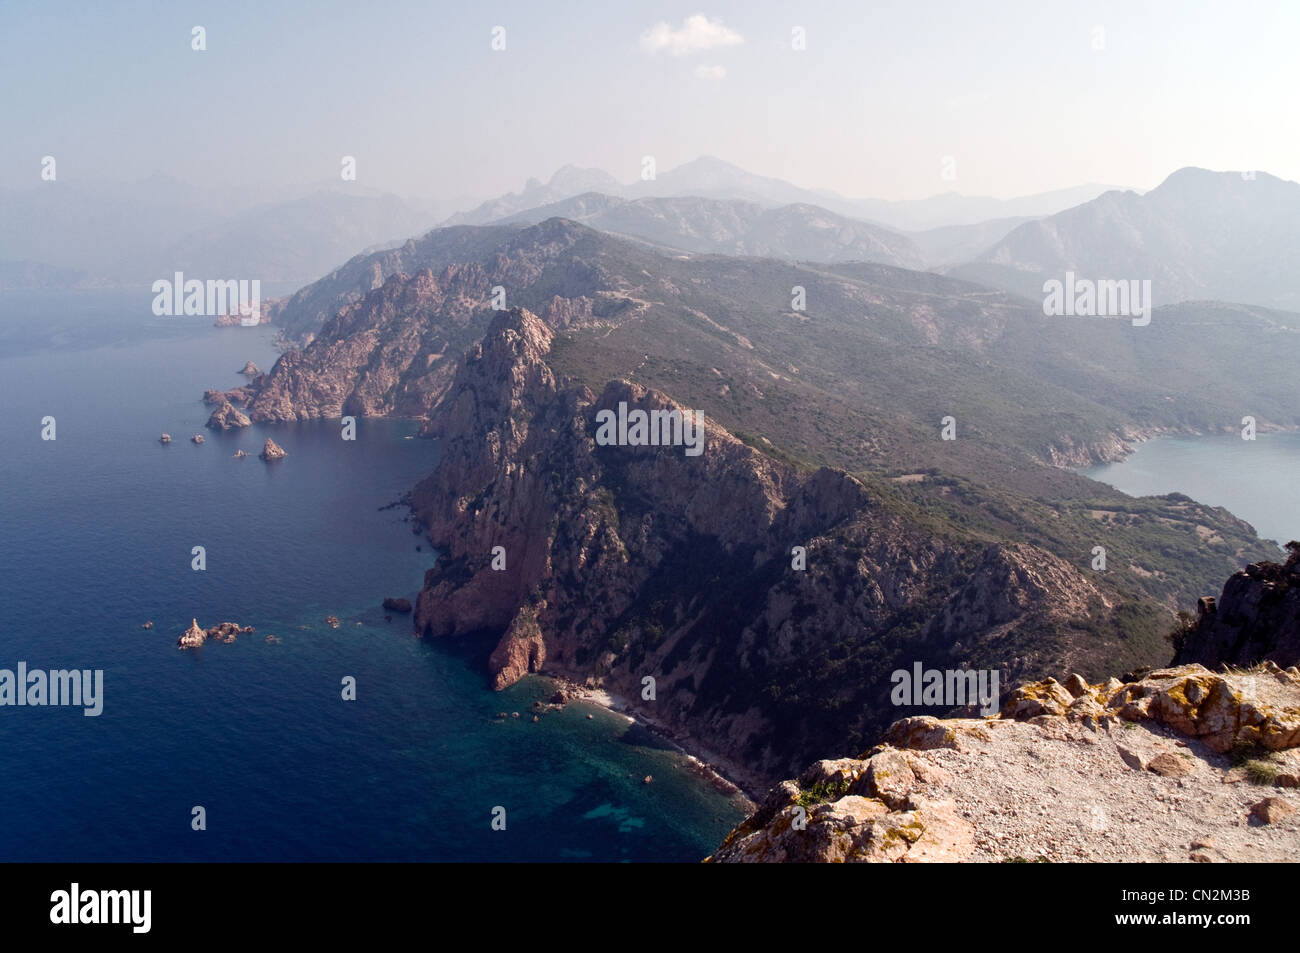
pixel 226 417
pixel 193 637
pixel 272 451
pixel 165 438
pixel 251 370
pixel 197 438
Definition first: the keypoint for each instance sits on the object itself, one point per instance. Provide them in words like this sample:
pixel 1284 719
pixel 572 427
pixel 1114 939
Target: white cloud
pixel 710 72
pixel 697 33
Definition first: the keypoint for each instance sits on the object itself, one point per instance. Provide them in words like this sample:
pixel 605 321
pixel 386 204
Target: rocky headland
pixel 618 564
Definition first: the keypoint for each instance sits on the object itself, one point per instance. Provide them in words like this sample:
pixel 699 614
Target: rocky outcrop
pixel 392 604
pixel 1116 772
pixel 272 451
pixel 614 564
pixel 521 650
pixel 226 417
pixel 195 636
pixel 197 438
pixel 1255 619
pixel 250 369
pixel 1251 708
pixel 165 438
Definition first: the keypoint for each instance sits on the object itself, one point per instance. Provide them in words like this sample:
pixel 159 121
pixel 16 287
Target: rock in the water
pixel 197 438
pixel 148 625
pixel 272 451
pixel 193 636
pixel 213 396
pixel 397 605
pixel 226 417
pixel 250 370
pixel 165 438
pixel 240 454
pixel 332 621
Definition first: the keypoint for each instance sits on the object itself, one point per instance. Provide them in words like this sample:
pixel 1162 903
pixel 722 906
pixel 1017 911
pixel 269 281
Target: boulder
pixel 1270 810
pixel 1169 765
pixel 889 778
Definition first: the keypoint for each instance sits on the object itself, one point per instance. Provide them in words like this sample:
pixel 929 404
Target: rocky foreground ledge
pixel 1181 764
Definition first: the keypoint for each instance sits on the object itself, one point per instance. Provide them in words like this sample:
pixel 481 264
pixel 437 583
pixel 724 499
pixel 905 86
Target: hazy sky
pixel 1015 91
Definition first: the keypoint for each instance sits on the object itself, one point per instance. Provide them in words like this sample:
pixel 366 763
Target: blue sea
pixel 96 537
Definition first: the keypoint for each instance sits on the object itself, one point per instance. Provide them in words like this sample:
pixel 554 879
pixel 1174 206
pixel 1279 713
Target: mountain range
pixel 714 178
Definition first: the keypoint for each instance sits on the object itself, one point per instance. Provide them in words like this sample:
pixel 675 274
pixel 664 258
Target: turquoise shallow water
pixel 96 534
pixel 1254 479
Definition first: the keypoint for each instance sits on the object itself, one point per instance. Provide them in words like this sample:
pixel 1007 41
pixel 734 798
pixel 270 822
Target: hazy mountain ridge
pixel 1199 235
pixel 734 227
pixel 713 178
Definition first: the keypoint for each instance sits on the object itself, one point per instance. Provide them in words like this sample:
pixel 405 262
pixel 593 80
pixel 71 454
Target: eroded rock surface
pixel 1141 774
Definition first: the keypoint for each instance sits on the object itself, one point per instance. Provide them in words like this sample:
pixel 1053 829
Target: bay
pixel 96 537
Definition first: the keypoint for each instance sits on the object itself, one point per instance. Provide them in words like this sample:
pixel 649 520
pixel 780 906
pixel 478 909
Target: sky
pixel 1009 98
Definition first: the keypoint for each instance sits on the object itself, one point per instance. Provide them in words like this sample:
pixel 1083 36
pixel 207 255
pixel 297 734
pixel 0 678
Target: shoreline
pixel 1130 441
pixel 724 775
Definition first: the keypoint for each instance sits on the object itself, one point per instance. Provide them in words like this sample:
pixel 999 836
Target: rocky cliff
pixel 1180 765
pixel 618 564
pixel 394 350
pixel 1255 619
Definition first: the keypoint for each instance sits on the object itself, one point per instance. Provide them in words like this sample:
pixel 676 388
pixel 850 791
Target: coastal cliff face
pixel 1255 619
pixel 394 350
pixel 614 564
pixel 1180 765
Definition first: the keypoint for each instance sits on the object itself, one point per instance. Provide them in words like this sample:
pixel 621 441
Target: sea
pixel 98 534
pixel 1253 479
